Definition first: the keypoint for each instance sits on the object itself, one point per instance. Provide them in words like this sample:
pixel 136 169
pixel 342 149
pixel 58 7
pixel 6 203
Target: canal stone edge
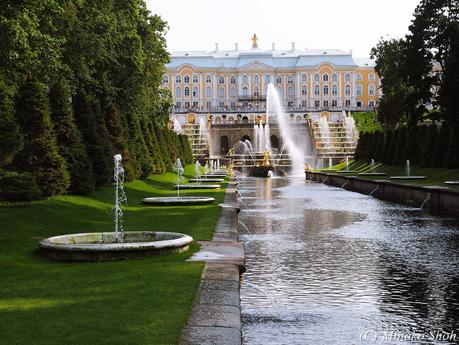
pixel 216 315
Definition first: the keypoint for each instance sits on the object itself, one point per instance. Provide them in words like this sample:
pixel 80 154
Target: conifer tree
pixel 438 155
pixel 392 147
pixel 411 145
pixel 428 146
pixel 400 147
pixel 40 155
pixel 10 136
pixel 386 146
pixel 452 152
pixel 69 140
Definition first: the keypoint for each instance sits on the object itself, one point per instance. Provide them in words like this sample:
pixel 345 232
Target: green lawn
pixel 435 176
pixel 143 301
pixel 366 121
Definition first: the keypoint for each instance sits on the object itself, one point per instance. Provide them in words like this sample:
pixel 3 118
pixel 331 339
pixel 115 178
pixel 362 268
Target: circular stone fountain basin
pixel 197 186
pixel 346 171
pixel 178 201
pixel 206 180
pixel 408 177
pixel 102 246
pixel 372 174
pixel 452 183
pixel 214 175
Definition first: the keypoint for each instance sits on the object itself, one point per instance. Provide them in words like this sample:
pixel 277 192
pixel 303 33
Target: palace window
pixel 178 105
pixel 221 92
pixel 334 77
pixel 371 90
pixel 178 79
pixel 195 79
pixel 233 92
pixel 279 79
pixel 233 79
pixel 325 77
pixel 208 92
pixel 256 79
pixel 316 78
pixel 347 103
pixel 256 92
pixel 245 91
pixel 304 104
pixel 195 105
pixel 347 77
pixel 325 89
pixel 195 91
pixel 267 79
pixel 358 90
pixel 221 80
pixel 359 77
pixel 316 90
pixel 347 90
pixel 187 91
pixel 209 105
pixel 371 77
pixel 304 78
pixel 233 104
pixel 334 90
pixel 371 104
pixel 208 79
pixel 290 79
pixel 290 91
pixel 325 104
pixel 187 105
pixel 316 104
pixel 334 103
pixel 178 91
pixel 186 79
pixel 165 79
pixel 358 104
pixel 304 90
pixel 244 79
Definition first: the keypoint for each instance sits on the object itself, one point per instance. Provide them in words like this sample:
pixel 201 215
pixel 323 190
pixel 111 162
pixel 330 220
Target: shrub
pixel 16 186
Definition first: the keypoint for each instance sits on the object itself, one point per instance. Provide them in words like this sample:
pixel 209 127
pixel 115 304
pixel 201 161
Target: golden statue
pixel 254 41
pixel 266 159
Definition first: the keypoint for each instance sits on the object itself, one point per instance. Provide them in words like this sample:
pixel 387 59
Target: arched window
pixel 347 77
pixel 347 90
pixel 325 89
pixel 334 90
pixel 290 91
pixel 359 77
pixel 208 92
pixel 245 119
pixel 165 79
pixel 316 90
pixel 325 77
pixel 267 79
pixel 256 79
pixel 316 78
pixel 290 79
pixel 304 90
pixel 195 91
pixel 304 78
pixel 371 77
pixel 178 79
pixel 233 79
pixel 279 79
pixel 178 91
pixel 187 91
pixel 245 91
pixel 186 79
pixel 208 79
pixel 224 145
pixel 334 77
pixel 221 80
pixel 256 91
pixel 371 90
pixel 244 79
pixel 221 92
pixel 358 90
pixel 233 92
pixel 195 78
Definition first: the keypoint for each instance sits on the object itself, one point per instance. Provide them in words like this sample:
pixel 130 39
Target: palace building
pixel 230 87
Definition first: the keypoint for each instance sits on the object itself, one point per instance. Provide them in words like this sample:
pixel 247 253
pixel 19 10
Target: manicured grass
pixel 142 301
pixel 435 176
pixel 366 121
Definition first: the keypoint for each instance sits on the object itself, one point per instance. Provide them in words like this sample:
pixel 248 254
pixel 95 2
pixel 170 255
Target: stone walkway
pixel 216 316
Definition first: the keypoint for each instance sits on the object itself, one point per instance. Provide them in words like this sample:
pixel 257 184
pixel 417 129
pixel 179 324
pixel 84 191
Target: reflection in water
pixel 324 264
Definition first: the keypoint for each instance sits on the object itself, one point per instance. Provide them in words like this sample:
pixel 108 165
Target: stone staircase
pixel 199 141
pixel 337 145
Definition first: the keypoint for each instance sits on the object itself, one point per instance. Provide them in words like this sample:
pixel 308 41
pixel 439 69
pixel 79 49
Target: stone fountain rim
pixel 197 186
pixel 179 240
pixel 172 200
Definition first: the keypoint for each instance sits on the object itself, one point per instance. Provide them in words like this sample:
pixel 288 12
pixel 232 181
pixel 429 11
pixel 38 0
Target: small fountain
pixel 408 175
pixel 117 245
pixel 179 168
pixel 346 170
pixel 372 171
pixel 199 179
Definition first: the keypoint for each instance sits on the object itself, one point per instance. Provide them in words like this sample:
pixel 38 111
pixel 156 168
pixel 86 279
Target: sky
pixel 313 24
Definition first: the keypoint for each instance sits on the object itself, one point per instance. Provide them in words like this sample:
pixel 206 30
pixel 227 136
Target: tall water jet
pixel 372 165
pixel 177 127
pixel 324 130
pixel 120 197
pixel 349 125
pixel 198 171
pixel 274 107
pixel 407 168
pixel 179 168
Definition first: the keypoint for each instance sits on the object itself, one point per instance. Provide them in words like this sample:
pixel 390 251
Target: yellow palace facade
pixel 235 81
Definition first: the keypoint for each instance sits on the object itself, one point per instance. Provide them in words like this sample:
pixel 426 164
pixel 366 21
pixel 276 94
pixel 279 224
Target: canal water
pixel 329 266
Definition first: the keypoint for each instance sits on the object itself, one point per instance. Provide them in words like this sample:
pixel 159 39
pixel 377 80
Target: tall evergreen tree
pixel 452 152
pixel 69 140
pixel 428 146
pixel 400 147
pixel 40 155
pixel 441 144
pixel 10 136
pixel 411 145
pixel 389 158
